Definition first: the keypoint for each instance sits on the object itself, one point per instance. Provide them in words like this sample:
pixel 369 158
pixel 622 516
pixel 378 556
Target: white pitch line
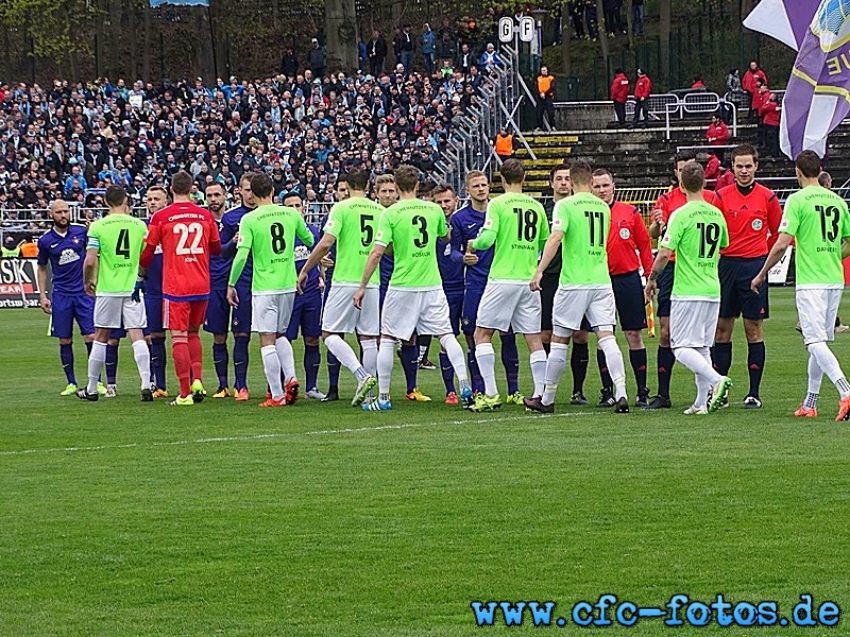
pixel 321 432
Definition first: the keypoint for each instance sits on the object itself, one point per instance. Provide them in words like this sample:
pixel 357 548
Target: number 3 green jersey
pixel 412 226
pixel 818 220
pixel 697 232
pixel 584 219
pixel 119 239
pixel 354 223
pixel 518 225
pixel 269 234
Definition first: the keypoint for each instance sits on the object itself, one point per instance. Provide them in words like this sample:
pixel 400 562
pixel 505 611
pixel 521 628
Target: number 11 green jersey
pixel 818 219
pixel 269 232
pixel 584 219
pixel 697 232
pixel 518 225
pixel 354 223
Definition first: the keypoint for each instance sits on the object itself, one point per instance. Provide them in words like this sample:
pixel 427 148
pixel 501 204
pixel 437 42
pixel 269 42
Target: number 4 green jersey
pixel 697 232
pixel 269 232
pixel 119 239
pixel 413 226
pixel 518 225
pixel 818 220
pixel 584 219
pixel 354 223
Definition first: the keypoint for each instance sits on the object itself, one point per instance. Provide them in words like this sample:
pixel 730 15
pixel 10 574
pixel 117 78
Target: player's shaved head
pixel 693 177
pixel 808 163
pixel 512 171
pixel 406 178
pixel 115 196
pixel 261 185
pixel 181 183
pixel 581 173
pixel 357 180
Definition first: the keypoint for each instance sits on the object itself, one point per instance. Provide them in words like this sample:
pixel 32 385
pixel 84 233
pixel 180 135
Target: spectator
pixel 717 134
pixel 465 59
pixel 577 16
pixel 11 250
pixel 698 84
pixel 446 49
pixel 288 63
pixel 761 96
pixel 317 59
pixel 376 50
pixel 637 18
pixel 504 144
pixel 750 84
pixel 398 40
pixel 620 94
pixel 545 99
pixel 490 58
pixel 591 18
pixel 712 170
pixel 643 89
pixel 429 42
pixel 362 56
pixel 769 112
pixel 408 46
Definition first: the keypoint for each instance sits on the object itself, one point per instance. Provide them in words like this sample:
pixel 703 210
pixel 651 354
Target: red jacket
pixel 759 99
pixel 727 178
pixel 717 135
pixel 748 82
pixel 643 87
pixel 712 170
pixel 620 88
pixel 770 112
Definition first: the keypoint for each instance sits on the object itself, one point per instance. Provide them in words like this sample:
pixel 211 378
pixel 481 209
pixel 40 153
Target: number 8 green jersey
pixel 354 223
pixel 818 219
pixel 697 232
pixel 119 239
pixel 412 226
pixel 584 219
pixel 269 234
pixel 518 225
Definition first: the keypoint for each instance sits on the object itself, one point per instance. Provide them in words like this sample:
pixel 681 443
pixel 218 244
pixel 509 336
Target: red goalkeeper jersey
pixel 188 235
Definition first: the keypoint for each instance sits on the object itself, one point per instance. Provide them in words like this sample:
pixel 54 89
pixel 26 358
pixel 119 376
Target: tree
pixel 341 33
pixel 664 26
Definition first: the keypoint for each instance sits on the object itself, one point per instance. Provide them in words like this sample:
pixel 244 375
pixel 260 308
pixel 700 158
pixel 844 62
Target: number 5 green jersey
pixel 354 223
pixel 697 232
pixel 412 226
pixel 818 220
pixel 584 219
pixel 269 232
pixel 518 225
pixel 119 239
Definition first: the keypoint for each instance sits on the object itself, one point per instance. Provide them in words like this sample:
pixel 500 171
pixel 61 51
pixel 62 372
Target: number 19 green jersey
pixel 269 232
pixel 584 219
pixel 354 223
pixel 518 225
pixel 119 239
pixel 413 226
pixel 818 220
pixel 697 232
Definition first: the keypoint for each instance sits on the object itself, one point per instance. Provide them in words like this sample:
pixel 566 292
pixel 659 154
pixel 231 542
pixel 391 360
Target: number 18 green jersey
pixel 413 226
pixel 518 225
pixel 818 220
pixel 697 232
pixel 584 219
pixel 119 239
pixel 354 223
pixel 269 232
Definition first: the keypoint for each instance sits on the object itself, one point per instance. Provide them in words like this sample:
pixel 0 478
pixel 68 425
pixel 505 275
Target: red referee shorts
pixel 180 315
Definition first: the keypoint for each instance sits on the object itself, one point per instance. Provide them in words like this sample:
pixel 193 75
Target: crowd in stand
pixel 304 126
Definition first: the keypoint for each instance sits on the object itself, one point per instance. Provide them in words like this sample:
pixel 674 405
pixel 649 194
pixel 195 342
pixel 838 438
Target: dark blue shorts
pixel 471 299
pixel 665 289
pixel 455 299
pixel 153 310
pixel 68 308
pixel 117 332
pixel 549 284
pixel 736 297
pixel 220 316
pixel 306 315
pixel 629 299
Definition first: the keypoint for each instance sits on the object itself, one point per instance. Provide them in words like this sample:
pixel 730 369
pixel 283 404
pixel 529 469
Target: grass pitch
pixel 130 519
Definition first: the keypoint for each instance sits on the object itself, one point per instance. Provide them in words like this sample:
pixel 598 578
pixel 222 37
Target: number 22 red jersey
pixel 188 234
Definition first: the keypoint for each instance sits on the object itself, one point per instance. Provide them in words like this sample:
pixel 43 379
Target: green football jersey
pixel 818 220
pixel 119 239
pixel 412 226
pixel 697 232
pixel 354 223
pixel 584 219
pixel 519 227
pixel 268 233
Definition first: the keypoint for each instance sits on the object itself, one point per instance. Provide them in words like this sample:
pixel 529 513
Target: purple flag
pixel 817 98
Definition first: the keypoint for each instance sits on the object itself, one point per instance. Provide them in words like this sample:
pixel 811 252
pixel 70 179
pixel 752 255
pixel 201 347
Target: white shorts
pixel 504 305
pixel 425 312
pixel 115 312
pixel 341 317
pixel 693 323
pixel 817 310
pixel 270 313
pixel 572 305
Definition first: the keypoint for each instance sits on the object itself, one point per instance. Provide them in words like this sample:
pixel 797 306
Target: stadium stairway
pixel 640 157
